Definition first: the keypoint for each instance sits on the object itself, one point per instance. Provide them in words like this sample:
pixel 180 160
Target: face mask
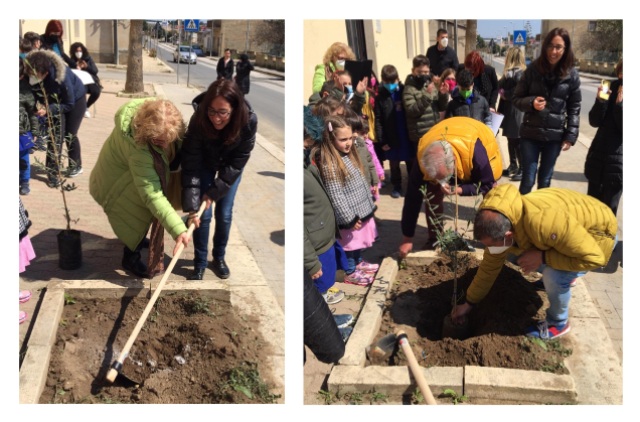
pixel 348 89
pixel 444 42
pixel 421 79
pixel 452 84
pixel 373 81
pixel 465 93
pixel 340 64
pixel 78 54
pixel 33 80
pixel 495 250
pixel 52 39
pixel 391 87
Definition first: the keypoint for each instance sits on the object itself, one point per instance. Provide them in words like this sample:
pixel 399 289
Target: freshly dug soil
pixel 421 298
pixel 192 349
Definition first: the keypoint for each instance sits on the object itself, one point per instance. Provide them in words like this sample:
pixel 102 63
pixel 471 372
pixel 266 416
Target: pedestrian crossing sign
pixel 519 37
pixel 191 25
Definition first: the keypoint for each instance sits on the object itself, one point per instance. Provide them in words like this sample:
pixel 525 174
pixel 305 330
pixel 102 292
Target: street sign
pixel 191 25
pixel 520 37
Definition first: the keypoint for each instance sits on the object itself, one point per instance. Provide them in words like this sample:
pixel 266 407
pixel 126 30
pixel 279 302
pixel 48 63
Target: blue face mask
pixel 391 87
pixel 348 89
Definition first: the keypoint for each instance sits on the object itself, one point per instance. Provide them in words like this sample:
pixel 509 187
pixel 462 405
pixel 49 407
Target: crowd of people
pixel 149 147
pixel 438 122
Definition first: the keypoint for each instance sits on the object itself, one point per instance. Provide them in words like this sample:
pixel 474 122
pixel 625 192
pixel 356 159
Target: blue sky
pixel 492 28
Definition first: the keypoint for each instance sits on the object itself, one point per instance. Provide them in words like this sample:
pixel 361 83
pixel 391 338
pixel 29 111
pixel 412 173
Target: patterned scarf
pixel 156 238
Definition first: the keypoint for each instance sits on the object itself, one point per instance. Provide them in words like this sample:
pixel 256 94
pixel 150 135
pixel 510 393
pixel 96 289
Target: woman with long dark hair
pixel 549 95
pixel 219 140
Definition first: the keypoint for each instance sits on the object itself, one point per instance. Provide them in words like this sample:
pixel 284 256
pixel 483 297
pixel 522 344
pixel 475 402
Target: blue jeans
pixel 557 284
pixel 223 216
pixel 25 168
pixel 353 259
pixel 547 153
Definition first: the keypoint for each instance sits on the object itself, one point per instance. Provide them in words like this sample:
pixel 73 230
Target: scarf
pixel 155 264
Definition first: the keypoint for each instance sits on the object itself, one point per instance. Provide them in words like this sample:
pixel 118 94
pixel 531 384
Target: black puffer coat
pixel 560 119
pixel 512 116
pixel 200 152
pixel 604 159
pixel 385 117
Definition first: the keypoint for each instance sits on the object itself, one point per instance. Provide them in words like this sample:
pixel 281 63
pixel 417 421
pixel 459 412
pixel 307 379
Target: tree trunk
pixel 134 83
pixel 471 37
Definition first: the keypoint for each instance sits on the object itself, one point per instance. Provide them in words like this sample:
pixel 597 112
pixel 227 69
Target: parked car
pixel 184 54
pixel 196 49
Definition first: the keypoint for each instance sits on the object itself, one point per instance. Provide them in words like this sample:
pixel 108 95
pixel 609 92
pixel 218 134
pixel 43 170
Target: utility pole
pixel 246 44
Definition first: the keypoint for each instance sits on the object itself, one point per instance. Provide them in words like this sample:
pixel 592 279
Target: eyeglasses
pixel 552 47
pixel 223 114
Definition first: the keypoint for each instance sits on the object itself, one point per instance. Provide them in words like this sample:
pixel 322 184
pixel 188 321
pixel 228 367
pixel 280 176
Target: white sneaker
pixel 87 114
pixel 333 298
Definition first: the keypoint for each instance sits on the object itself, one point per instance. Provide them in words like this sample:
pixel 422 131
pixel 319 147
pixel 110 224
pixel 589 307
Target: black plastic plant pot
pixel 69 249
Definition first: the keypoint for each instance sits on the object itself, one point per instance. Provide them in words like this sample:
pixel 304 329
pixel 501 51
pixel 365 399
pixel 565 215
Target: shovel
pixel 117 365
pixel 386 346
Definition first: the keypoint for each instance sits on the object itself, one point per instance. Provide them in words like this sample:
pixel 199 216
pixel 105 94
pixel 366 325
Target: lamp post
pixel 512 34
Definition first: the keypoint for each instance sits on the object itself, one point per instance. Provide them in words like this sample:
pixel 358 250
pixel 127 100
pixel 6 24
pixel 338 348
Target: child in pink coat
pixel 379 169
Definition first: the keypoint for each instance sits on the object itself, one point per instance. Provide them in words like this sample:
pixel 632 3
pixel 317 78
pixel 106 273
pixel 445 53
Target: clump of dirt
pixel 421 298
pixel 192 349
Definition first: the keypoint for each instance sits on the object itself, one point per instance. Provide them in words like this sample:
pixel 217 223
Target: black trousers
pixel 73 120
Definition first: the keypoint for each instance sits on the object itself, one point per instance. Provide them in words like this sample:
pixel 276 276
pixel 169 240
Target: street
pixel 266 95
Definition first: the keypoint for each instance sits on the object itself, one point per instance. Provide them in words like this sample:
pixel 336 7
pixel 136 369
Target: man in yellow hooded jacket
pixel 557 232
pixel 459 147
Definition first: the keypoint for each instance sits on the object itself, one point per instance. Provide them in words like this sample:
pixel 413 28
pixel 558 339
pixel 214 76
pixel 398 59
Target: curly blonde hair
pixel 334 51
pixel 157 119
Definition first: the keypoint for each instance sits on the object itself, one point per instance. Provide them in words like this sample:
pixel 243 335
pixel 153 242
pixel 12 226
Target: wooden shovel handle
pixel 416 369
pixel 152 301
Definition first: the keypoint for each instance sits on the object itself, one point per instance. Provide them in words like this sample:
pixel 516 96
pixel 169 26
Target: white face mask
pixel 340 64
pixel 33 80
pixel 78 54
pixel 444 42
pixel 495 250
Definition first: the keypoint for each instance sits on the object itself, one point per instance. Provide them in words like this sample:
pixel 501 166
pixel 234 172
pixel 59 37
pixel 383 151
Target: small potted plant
pixel 69 240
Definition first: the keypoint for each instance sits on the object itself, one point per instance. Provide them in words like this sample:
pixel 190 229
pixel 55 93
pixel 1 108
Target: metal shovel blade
pixel 383 348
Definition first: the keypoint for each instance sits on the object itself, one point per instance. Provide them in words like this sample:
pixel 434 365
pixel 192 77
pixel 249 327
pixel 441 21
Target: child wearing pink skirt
pixel 25 254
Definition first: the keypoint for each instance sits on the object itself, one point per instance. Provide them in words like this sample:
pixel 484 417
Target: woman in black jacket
pixel 603 167
pixel 218 143
pixel 82 60
pixel 549 95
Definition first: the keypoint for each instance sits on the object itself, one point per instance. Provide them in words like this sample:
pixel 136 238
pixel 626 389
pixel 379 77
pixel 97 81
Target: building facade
pixel 383 42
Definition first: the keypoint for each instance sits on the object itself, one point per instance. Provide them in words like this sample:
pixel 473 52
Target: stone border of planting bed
pixel 250 298
pixel 595 370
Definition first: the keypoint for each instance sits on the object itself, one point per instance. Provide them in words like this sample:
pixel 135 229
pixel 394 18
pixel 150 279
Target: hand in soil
pixel 530 260
pixel 405 247
pixel 459 313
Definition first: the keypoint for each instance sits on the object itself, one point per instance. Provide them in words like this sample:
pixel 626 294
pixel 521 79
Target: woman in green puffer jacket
pixel 128 180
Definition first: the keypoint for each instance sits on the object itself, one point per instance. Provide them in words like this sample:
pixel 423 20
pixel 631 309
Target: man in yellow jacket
pixel 459 146
pixel 557 232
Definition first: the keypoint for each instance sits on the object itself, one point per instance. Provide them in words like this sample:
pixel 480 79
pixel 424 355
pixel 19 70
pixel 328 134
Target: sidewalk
pixel 605 287
pixel 102 251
